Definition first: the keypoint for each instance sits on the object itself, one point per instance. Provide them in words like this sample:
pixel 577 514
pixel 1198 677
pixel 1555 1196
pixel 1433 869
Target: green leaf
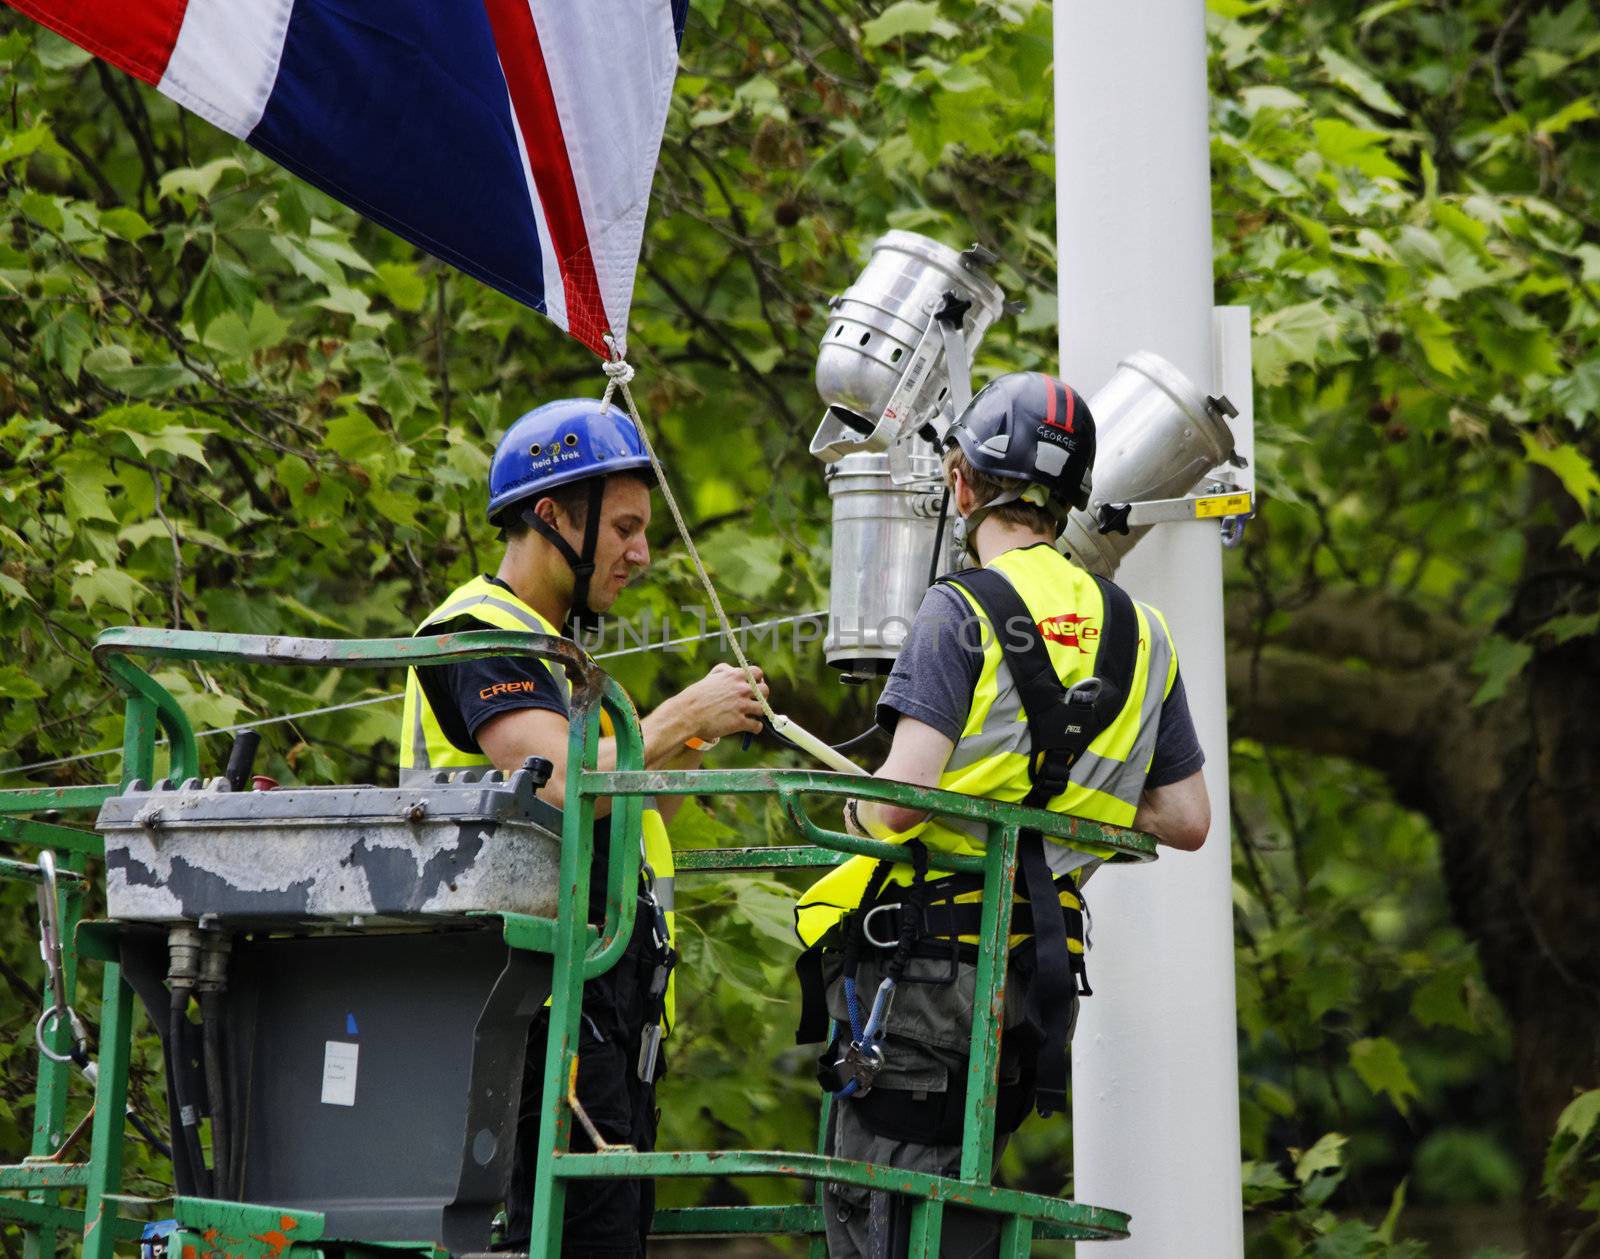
pixel 293 215
pixel 711 117
pixel 1382 1068
pixel 125 223
pixel 290 604
pixel 196 181
pixel 56 53
pixel 231 336
pixel 1498 661
pixel 86 482
pixel 1440 1001
pixel 1578 393
pixel 1584 539
pixel 151 429
pixel 770 912
pixel 1571 466
pixel 16 684
pixel 44 210
pixel 693 827
pixel 1346 145
pixel 906 17
pixel 1580 110
pixel 1262 1182
pixel 115 366
pixel 1391 1218
pixel 1571 625
pixel 330 242
pixel 1380 11
pixel 403 285
pixel 353 436
pixel 14 590
pixel 1361 81
pixel 22 144
pixel 107 585
pixel 344 300
pixel 1325 1155
pixel 221 286
pixel 1579 1117
pixel 1291 336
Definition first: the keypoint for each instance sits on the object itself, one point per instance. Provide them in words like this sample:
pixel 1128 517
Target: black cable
pixel 186 1116
pixel 938 537
pixel 149 1134
pixel 850 745
pixel 211 1013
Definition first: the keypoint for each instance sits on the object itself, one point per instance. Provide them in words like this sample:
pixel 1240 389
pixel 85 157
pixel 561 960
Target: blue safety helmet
pixel 560 443
pixel 564 443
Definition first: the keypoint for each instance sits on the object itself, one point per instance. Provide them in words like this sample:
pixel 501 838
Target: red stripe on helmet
pixel 1051 384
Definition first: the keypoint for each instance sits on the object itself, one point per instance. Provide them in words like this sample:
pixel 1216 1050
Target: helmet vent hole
pixel 535 449
pixel 895 357
pixel 839 331
pixel 571 439
pixel 942 392
pixel 865 337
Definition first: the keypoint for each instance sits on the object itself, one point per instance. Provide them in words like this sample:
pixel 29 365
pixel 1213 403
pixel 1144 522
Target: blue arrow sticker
pixel 350 1028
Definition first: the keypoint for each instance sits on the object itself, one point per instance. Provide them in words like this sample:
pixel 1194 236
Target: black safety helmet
pixel 1031 430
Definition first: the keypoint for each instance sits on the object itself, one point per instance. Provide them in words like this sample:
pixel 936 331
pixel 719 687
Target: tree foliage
pixel 228 402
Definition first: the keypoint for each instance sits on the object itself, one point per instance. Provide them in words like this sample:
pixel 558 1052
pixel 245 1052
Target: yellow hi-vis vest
pixel 424 748
pixel 992 756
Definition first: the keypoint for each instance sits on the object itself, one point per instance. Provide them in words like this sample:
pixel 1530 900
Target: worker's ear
pixel 548 511
pixel 961 495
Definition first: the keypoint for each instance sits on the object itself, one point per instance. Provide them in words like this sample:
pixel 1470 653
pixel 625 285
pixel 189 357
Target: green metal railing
pixel 579 951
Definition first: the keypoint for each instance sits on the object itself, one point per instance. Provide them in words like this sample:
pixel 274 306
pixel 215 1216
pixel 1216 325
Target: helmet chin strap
pixel 964 532
pixel 581 616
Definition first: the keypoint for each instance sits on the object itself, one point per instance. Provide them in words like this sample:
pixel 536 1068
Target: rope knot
pixel 619 371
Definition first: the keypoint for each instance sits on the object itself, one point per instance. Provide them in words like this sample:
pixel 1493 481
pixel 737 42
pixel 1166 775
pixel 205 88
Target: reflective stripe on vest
pixel 424 748
pixel 991 758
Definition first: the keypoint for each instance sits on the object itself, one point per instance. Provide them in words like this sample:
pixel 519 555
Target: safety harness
pixel 1062 724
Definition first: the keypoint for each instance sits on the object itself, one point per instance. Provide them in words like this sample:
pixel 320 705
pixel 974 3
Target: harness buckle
pixel 890 907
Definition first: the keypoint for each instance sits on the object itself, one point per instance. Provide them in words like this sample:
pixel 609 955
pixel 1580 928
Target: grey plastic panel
pixel 311 856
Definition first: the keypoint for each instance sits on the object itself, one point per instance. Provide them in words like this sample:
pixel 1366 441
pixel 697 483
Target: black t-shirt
pixel 465 695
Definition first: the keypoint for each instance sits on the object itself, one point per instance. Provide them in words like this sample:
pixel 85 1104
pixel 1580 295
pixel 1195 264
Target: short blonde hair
pixel 987 488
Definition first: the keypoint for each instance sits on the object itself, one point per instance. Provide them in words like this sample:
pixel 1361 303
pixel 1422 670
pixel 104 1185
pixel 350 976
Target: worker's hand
pixel 723 703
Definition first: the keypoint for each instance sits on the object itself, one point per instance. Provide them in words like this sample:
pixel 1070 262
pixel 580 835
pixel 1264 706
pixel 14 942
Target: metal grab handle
pixel 877 848
pixel 148 699
pixel 625 859
pixel 51 953
pixel 377 653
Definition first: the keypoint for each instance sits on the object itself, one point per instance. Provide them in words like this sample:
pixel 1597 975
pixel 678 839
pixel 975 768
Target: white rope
pixel 664 645
pixel 618 374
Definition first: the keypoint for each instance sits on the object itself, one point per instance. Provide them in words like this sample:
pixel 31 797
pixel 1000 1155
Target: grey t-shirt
pixel 938 669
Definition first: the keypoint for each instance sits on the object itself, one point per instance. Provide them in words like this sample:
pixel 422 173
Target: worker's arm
pixel 720 703
pixel 1179 814
pixel 918 755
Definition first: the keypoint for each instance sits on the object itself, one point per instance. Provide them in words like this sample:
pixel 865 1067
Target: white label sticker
pixel 339 1073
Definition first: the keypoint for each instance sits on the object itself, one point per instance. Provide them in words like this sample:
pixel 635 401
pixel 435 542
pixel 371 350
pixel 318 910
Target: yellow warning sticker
pixel 1222 505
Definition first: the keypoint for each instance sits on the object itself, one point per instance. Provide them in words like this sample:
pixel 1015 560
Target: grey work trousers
pixel 869 1224
pixel 928 1042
